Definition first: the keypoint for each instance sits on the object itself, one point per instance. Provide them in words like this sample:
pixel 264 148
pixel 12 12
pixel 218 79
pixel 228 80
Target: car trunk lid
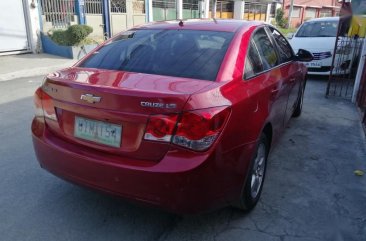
pixel 117 99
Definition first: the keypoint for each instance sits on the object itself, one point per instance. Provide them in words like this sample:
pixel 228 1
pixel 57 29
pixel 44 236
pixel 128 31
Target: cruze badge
pixel 90 98
pixel 157 105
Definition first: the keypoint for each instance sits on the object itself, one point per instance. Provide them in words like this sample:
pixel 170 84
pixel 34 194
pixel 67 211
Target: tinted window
pixel 318 29
pixel 265 48
pixel 179 53
pixel 284 48
pixel 253 63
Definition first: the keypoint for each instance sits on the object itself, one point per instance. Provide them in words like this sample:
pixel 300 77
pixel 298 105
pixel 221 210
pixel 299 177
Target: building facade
pixel 32 19
pixel 308 9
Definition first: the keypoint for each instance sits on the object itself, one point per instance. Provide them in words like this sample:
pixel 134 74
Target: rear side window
pixel 253 62
pixel 179 53
pixel 266 49
pixel 284 48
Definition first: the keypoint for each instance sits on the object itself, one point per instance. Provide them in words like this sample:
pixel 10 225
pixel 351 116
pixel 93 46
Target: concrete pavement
pixel 26 65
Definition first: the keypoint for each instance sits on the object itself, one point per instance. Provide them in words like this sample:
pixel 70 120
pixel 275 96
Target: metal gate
pixel 57 14
pixel 225 9
pixel 126 14
pixel 255 11
pixel 13 30
pixel 345 61
pixel 190 9
pixel 94 17
pixel 164 10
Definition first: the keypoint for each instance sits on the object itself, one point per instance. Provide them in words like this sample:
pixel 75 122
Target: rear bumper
pixel 182 182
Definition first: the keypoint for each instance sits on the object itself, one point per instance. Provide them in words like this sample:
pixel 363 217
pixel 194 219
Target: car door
pixel 290 70
pixel 261 66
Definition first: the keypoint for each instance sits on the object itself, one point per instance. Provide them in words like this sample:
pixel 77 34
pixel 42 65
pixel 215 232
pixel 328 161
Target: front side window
pixel 284 48
pixel 179 53
pixel 266 49
pixel 318 29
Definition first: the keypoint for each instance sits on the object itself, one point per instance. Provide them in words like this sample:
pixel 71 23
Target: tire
pixel 298 109
pixel 254 182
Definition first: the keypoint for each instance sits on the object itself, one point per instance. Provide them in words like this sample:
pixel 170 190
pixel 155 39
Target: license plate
pixel 313 64
pixel 98 131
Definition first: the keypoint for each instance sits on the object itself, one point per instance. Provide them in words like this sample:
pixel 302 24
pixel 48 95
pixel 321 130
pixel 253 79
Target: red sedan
pixel 180 115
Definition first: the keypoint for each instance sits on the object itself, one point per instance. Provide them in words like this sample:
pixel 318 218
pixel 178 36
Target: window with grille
pixel 118 6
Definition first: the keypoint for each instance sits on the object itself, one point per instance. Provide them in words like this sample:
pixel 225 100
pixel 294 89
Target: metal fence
pixel 59 12
pixel 164 10
pixel 224 9
pixel 138 6
pixel 225 6
pixel 190 4
pixel 118 6
pixel 190 9
pixel 255 11
pixel 93 7
pixel 347 51
pixel 164 4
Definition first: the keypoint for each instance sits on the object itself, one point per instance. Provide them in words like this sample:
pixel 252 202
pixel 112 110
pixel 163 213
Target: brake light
pixel 199 129
pixel 196 130
pixel 38 103
pixel 161 127
pixel 44 105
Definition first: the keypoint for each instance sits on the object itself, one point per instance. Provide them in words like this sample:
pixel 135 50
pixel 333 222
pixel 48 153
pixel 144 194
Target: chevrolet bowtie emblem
pixel 90 98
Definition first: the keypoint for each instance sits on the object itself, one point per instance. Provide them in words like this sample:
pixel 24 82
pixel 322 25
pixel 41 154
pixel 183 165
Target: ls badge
pixel 90 98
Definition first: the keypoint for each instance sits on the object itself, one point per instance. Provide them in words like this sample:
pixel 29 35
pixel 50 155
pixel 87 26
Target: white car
pixel 319 37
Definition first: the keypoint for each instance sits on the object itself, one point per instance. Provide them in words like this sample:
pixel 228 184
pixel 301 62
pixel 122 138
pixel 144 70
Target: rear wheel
pixel 254 183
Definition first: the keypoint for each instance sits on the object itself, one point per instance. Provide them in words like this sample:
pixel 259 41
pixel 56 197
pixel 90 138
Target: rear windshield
pixel 179 53
pixel 318 29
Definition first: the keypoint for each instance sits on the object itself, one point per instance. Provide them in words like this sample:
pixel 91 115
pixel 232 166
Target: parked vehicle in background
pixel 180 115
pixel 319 37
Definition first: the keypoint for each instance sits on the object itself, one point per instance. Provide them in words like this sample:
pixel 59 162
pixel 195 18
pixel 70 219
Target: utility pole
pixel 290 13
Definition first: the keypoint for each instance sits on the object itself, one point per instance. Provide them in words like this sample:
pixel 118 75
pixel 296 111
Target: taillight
pixel 199 129
pixel 38 103
pixel 196 130
pixel 161 127
pixel 44 105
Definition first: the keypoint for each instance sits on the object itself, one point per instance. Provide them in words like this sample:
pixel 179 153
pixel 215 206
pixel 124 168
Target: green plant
pixel 58 36
pixel 78 33
pixel 73 35
pixel 281 21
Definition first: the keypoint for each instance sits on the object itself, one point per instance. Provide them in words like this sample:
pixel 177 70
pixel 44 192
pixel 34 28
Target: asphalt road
pixel 310 194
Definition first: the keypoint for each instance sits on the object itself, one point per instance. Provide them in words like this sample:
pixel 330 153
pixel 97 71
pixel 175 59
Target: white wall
pixel 361 65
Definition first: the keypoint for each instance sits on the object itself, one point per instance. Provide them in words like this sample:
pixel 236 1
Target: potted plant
pixel 70 43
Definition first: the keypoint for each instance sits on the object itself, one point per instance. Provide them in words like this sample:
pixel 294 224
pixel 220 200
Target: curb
pixel 33 72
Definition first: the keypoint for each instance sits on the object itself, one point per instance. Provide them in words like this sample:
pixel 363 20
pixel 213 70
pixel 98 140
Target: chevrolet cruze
pixel 181 115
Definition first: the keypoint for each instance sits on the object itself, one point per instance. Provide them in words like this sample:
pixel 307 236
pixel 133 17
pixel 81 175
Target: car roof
pixel 224 25
pixel 323 19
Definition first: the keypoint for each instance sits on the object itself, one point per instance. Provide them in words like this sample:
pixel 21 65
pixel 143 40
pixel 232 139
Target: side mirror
pixel 290 35
pixel 304 56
